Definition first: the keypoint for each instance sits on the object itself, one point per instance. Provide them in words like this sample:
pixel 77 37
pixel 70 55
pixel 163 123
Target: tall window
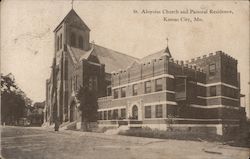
pixel 93 83
pixel 80 42
pixel 109 115
pixel 105 115
pixel 90 83
pixel 71 84
pixel 115 93
pixel 212 69
pixel 101 115
pixel 108 91
pixel 115 114
pixel 158 111
pixel 123 92
pixel 123 113
pixel 135 89
pixel 76 85
pixel 60 41
pixel 147 111
pixel 66 70
pixel 147 86
pixel 158 85
pixel 213 91
pixel 73 39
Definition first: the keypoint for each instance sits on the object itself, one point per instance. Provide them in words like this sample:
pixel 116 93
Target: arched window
pixel 57 45
pixel 73 39
pixel 80 42
pixel 60 41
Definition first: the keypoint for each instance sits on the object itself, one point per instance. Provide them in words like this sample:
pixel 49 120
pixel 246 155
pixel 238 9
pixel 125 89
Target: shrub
pixel 175 134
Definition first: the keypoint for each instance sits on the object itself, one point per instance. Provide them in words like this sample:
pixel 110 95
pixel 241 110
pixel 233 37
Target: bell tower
pixel 73 32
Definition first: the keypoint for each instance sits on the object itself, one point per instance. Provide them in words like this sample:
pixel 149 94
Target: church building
pixel 78 63
pixel 155 91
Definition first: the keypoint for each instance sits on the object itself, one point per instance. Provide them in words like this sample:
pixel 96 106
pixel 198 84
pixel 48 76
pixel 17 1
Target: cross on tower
pixel 167 41
pixel 72 4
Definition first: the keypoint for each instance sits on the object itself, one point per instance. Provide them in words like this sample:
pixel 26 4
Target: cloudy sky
pixel 27 33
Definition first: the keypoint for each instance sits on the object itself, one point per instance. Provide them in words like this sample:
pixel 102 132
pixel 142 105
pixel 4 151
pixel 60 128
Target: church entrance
pixel 135 112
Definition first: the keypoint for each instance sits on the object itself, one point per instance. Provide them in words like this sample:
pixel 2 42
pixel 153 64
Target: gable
pixel 72 18
pixel 93 58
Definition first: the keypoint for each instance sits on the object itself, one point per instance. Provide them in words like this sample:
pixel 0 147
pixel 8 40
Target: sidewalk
pixel 130 139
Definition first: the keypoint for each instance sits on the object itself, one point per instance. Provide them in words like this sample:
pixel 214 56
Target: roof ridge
pixel 118 52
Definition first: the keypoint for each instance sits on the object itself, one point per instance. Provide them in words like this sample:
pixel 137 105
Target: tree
pixel 14 102
pixel 88 105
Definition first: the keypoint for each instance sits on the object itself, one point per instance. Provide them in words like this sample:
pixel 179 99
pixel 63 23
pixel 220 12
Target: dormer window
pixel 73 39
pixel 80 42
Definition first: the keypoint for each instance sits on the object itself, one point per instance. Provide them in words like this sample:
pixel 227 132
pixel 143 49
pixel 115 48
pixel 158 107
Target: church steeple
pixel 73 32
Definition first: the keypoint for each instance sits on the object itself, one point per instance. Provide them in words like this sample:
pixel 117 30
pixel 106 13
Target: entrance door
pixel 135 112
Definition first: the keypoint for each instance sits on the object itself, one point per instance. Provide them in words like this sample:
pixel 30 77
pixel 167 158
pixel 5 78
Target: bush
pixel 175 134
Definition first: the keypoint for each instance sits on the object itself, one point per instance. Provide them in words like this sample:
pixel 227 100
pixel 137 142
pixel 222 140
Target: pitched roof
pixel 113 60
pixel 78 54
pixel 156 55
pixel 68 18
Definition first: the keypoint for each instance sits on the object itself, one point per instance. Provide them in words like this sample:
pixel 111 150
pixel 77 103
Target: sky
pixel 27 38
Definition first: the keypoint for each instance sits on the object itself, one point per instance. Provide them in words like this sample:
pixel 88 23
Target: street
pixel 40 143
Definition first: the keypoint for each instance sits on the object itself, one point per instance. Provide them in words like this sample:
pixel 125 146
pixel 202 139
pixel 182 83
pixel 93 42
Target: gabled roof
pixel 113 60
pixel 68 18
pixel 156 55
pixel 78 54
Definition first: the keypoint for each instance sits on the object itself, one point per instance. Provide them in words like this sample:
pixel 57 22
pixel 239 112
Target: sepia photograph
pixel 124 79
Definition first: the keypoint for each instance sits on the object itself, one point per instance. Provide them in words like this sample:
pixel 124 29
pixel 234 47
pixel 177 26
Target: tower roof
pixel 69 18
pixel 167 52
